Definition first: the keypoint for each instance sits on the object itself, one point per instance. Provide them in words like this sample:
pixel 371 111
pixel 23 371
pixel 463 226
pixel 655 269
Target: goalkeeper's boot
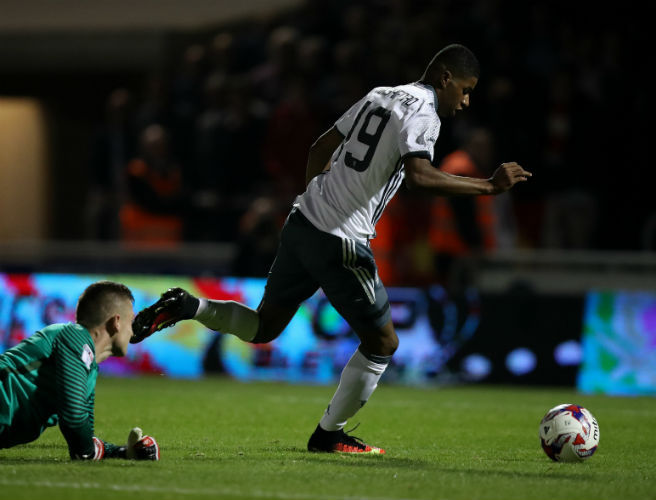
pixel 174 305
pixel 340 442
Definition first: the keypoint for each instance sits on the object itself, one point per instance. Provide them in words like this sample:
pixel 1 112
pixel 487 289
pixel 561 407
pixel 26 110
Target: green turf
pixel 223 439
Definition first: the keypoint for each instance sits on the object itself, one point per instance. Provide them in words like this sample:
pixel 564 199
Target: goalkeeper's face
pixel 122 338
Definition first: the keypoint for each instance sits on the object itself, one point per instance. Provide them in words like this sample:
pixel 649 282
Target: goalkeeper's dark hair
pixel 99 302
pixel 457 59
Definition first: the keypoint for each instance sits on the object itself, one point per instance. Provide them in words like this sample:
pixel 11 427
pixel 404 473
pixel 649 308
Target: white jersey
pixel 386 126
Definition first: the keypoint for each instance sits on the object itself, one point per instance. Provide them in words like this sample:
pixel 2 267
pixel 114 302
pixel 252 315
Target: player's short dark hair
pixel 457 59
pixel 99 301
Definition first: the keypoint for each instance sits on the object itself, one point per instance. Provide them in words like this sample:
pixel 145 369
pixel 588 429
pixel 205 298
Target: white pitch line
pixel 186 491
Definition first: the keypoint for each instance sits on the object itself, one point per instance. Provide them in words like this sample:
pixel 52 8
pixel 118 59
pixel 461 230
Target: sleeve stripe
pixel 417 154
pixel 75 404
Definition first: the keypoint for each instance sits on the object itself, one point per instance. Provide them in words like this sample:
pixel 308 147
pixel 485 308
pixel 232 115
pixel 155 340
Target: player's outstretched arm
pixel 422 176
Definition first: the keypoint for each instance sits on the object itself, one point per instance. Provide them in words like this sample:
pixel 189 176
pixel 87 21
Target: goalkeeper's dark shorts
pixel 344 269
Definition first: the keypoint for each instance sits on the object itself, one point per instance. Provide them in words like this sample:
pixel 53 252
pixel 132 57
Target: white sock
pixel 228 316
pixel 358 381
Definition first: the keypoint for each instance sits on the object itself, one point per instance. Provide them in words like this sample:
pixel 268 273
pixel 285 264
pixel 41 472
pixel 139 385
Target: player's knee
pixel 389 345
pixel 395 344
pixel 265 334
pixel 381 345
pixel 273 320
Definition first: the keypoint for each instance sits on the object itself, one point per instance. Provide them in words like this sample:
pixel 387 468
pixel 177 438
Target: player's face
pixel 455 95
pixel 122 338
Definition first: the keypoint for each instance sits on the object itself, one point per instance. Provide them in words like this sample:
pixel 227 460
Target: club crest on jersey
pixel 87 356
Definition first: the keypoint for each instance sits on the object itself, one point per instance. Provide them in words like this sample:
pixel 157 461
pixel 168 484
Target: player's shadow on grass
pixel 387 461
pixel 560 475
pixel 361 460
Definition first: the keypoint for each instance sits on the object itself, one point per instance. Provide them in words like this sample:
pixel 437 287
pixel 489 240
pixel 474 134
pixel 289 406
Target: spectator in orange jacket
pixel 464 227
pixel 153 212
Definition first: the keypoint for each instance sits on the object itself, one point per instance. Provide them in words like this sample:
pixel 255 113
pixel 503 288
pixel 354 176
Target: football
pixel 569 433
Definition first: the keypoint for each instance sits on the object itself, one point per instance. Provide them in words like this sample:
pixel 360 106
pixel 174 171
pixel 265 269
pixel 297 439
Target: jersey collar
pixel 432 89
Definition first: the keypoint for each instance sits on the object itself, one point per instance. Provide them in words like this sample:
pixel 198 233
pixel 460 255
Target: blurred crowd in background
pixel 213 148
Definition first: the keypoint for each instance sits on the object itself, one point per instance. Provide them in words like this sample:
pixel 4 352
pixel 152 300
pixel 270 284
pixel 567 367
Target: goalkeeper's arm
pixel 97 449
pixel 138 447
pixel 75 409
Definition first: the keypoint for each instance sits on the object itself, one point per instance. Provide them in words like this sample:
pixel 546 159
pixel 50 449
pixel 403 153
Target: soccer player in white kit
pixel 353 171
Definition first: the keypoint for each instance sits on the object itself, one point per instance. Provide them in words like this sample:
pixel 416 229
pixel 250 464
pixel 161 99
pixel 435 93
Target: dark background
pixel 564 87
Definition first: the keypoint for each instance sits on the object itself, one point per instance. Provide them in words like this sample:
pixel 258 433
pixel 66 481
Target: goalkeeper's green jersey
pixel 49 378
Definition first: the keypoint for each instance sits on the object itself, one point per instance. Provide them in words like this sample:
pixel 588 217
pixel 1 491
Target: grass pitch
pixel 223 439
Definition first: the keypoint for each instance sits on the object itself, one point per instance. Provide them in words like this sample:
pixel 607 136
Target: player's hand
pixel 507 175
pixel 141 447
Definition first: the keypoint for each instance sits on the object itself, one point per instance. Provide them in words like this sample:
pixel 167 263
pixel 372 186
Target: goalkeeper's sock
pixel 358 381
pixel 228 316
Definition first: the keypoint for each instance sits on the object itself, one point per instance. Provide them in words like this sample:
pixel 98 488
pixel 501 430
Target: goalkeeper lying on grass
pixel 50 377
